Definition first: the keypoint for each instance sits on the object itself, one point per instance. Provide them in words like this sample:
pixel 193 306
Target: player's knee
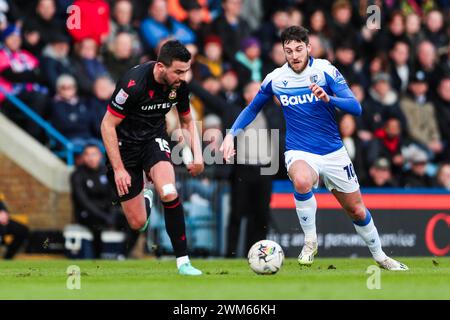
pixel 302 183
pixel 356 212
pixel 168 193
pixel 137 222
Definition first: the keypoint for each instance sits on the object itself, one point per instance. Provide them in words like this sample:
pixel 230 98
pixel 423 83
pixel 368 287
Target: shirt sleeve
pixel 335 79
pixel 183 105
pixel 124 96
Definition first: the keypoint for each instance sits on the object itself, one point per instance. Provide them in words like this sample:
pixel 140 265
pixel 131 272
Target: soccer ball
pixel 265 257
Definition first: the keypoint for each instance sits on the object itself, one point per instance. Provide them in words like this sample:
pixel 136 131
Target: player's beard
pixel 303 66
pixel 173 85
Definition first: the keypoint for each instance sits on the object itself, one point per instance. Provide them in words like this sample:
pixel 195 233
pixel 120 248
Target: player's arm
pixel 344 98
pixel 244 119
pixel 193 141
pixel 119 104
pixel 109 135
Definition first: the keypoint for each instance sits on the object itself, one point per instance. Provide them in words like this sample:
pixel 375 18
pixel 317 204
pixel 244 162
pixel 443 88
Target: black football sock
pixel 175 226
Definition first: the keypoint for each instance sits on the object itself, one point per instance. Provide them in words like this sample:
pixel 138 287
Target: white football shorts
pixel 335 168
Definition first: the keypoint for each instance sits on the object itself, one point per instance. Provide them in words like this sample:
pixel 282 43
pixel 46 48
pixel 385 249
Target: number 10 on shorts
pixel 350 172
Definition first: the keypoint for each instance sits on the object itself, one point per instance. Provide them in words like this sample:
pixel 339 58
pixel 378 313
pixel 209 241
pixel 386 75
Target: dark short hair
pixel 295 33
pixel 173 50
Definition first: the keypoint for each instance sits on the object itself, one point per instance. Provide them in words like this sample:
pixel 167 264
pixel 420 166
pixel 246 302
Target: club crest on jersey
pixel 151 93
pixel 121 97
pixel 172 94
pixel 314 78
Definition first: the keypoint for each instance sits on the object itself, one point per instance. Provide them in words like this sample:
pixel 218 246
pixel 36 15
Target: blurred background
pixel 60 59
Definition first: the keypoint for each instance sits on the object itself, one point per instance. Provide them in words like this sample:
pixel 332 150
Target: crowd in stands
pixel 400 72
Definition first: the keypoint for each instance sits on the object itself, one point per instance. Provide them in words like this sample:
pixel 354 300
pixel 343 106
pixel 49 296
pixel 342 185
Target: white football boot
pixel 392 265
pixel 306 257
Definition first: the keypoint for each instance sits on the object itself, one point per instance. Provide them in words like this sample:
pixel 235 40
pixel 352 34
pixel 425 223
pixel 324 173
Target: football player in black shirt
pixel 136 141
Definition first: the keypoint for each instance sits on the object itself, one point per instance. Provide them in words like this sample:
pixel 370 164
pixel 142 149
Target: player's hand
pixel 195 168
pixel 319 92
pixel 227 147
pixel 123 181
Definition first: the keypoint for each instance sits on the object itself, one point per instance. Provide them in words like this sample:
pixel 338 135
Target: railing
pixel 68 147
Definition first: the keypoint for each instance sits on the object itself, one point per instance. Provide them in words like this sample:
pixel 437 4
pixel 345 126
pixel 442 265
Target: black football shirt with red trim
pixel 142 103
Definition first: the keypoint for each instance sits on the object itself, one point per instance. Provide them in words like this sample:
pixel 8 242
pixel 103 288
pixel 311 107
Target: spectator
pixel 211 63
pixel 435 29
pixel 276 58
pixel 55 59
pixel 389 144
pixel 427 61
pixel 103 90
pixel 231 28
pixel 420 113
pixel 198 20
pixel 94 21
pixel 399 66
pixel 378 64
pixel 442 104
pixel 416 176
pixel 253 12
pixel 159 26
pixel 8 226
pixel 414 34
pixel 87 65
pixel 341 26
pixel 93 202
pixel 270 31
pixel 248 61
pixel 20 75
pixel 363 133
pixel 44 21
pixel 353 145
pixel 317 47
pixel 319 27
pixel 119 57
pixel 229 83
pixel 121 21
pixel 381 104
pixel 395 32
pixel 295 16
pixel 70 115
pixel 345 57
pixel 9 13
pixel 381 175
pixel 443 176
pixel 179 9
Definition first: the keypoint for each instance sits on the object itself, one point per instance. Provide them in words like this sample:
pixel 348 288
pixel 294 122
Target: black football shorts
pixel 137 159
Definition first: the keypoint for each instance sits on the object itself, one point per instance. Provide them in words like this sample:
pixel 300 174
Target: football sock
pixel 148 210
pixel 368 232
pixel 175 226
pixel 182 260
pixel 306 207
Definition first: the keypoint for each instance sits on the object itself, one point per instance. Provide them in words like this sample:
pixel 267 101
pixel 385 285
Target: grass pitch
pixel 428 278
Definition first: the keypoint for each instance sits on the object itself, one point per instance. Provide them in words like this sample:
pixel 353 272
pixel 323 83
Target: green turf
pixel 223 279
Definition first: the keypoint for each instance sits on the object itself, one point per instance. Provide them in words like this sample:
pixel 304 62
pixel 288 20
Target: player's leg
pixel 365 227
pixel 163 176
pixel 341 180
pixel 304 178
pixel 133 203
